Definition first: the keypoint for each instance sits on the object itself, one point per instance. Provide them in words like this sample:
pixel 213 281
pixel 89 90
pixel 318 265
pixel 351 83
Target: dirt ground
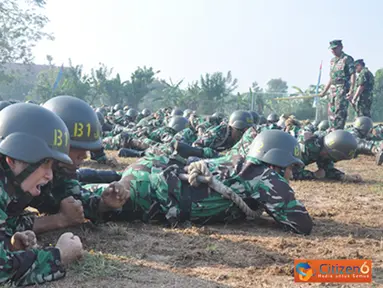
pixel 348 224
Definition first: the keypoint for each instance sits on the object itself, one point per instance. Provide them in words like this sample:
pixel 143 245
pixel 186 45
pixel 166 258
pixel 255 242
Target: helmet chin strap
pixel 24 174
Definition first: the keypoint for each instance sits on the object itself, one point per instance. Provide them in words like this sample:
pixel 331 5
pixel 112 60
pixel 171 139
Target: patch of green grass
pixel 96 264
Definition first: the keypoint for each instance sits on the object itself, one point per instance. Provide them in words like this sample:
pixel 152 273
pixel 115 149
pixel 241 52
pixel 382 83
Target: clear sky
pixel 255 39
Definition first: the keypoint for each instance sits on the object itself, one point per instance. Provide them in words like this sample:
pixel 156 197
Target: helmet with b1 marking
pixel 82 122
pixel 32 134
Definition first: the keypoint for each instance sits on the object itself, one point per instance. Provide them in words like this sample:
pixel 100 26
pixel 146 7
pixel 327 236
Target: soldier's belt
pixel 338 82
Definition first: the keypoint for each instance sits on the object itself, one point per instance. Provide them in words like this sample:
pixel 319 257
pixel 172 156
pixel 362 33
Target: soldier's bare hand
pixel 320 174
pixel 23 240
pixel 112 162
pixel 115 195
pixel 70 247
pixel 72 211
pixel 352 178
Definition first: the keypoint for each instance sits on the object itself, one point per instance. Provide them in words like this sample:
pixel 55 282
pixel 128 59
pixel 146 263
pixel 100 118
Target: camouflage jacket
pixel 162 135
pixel 311 153
pixel 243 145
pixel 217 138
pixel 34 266
pixel 63 185
pixel 341 69
pixel 187 136
pixel 365 79
pixel 158 193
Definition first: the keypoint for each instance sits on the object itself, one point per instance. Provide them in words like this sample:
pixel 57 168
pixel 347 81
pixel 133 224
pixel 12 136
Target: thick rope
pixel 194 177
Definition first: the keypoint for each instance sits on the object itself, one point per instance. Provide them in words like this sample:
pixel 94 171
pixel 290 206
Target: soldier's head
pixel 131 114
pixel 178 123
pixel 339 145
pixel 272 118
pixel 277 149
pixel 364 125
pixel 359 65
pixel 29 148
pixel 240 121
pixel 336 47
pixel 323 125
pixel 83 125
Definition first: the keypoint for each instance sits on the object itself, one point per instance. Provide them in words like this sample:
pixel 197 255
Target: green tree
pixel 21 28
pixel 140 82
pixel 214 90
pixel 276 86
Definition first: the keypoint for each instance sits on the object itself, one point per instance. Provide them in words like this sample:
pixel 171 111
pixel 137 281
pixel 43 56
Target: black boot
pixel 85 175
pixel 185 150
pixel 126 152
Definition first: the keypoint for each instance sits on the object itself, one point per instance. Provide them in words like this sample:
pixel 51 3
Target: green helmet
pixel 262 120
pixel 118 114
pixel 146 112
pixel 178 123
pixel 255 116
pixel 340 145
pixel 240 120
pixel 101 118
pixel 177 112
pixel 132 113
pixel 117 107
pixel 363 125
pixel 323 125
pixel 4 104
pixel 187 113
pixel 31 102
pixel 277 148
pixel 31 133
pixel 219 116
pixel 102 110
pixel 82 122
pixel 272 118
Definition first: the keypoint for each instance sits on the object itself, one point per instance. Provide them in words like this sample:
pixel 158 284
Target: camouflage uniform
pixel 341 69
pixel 112 142
pixel 63 185
pixel 34 266
pixel 158 194
pixel 187 136
pixel 363 105
pixel 311 148
pixel 377 132
pixel 217 138
pixel 370 142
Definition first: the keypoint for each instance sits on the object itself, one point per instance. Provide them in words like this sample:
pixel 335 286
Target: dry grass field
pixel 348 224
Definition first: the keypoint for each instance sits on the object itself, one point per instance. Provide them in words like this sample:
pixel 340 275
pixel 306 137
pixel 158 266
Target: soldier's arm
pixel 209 138
pixel 360 85
pixel 325 90
pixel 351 70
pixel 302 174
pixel 330 170
pixel 34 266
pixel 279 201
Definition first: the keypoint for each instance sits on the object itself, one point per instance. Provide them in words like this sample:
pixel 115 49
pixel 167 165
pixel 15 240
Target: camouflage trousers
pixel 363 106
pixel 337 108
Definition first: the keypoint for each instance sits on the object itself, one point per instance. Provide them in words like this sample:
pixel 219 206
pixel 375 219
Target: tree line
pixel 23 28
